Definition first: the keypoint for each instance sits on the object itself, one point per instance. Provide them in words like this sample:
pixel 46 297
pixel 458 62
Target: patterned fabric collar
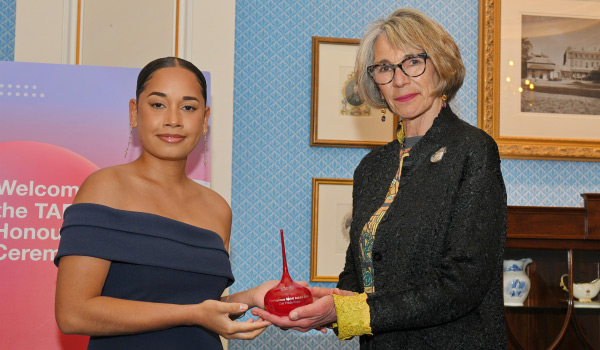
pixel 400 132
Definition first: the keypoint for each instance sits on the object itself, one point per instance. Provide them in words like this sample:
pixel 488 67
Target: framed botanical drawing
pixel 539 78
pixel 331 218
pixel 338 116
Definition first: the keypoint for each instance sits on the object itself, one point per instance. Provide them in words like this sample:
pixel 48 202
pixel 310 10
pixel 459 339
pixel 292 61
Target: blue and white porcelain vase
pixel 516 282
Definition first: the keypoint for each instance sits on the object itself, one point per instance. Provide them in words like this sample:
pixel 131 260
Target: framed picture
pixel 331 218
pixel 338 116
pixel 539 78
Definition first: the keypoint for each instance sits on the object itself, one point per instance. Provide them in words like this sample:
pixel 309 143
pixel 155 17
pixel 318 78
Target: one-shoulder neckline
pixel 157 216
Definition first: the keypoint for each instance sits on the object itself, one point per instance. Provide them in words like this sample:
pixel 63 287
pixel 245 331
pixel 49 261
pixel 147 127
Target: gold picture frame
pixel 491 41
pixel 338 117
pixel 330 227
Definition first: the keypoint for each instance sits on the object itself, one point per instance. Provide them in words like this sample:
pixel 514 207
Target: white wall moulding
pixel 185 29
pixel 126 33
pixel 211 44
pixel 39 31
pixel 69 32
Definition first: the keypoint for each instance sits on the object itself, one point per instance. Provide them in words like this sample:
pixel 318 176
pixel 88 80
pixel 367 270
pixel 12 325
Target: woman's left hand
pixel 258 293
pixel 215 316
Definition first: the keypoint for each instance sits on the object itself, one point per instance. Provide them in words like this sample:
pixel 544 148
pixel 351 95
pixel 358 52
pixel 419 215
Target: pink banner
pixel 58 124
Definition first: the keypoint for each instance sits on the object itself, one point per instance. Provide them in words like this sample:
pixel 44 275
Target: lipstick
pixel 406 98
pixel 171 138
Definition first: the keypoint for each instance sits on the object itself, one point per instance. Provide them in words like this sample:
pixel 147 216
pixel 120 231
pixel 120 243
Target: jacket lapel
pixel 431 142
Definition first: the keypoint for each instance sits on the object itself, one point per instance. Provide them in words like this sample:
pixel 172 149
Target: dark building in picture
pixel 579 64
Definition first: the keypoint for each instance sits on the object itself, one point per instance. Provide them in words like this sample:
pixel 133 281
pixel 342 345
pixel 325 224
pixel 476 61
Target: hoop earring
pixel 128 142
pixel 205 147
pixel 444 98
pixel 383 115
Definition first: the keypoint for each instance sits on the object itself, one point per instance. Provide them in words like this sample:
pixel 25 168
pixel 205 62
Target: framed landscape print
pixel 539 78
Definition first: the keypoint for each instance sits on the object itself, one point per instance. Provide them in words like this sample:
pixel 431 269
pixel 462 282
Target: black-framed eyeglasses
pixel 412 66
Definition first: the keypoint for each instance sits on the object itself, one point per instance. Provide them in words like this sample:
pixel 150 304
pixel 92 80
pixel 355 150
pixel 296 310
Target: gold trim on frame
pixel 489 108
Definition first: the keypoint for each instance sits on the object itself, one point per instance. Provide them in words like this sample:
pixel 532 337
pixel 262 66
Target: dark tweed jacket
pixel 438 251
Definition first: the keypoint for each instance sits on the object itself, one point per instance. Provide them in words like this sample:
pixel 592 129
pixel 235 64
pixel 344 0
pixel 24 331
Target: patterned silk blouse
pixel 367 236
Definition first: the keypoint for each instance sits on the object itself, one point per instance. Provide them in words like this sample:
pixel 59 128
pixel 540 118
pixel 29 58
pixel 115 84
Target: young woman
pixel 143 260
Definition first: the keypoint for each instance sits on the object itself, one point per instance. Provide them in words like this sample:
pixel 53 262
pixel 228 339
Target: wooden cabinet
pixel 559 240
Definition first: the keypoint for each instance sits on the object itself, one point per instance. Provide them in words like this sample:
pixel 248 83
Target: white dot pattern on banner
pixel 11 89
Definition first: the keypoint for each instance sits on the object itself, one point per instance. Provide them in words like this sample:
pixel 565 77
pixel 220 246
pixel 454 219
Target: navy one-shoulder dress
pixel 153 259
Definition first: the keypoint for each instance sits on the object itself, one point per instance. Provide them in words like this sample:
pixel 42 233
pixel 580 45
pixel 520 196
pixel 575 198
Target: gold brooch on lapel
pixel 437 156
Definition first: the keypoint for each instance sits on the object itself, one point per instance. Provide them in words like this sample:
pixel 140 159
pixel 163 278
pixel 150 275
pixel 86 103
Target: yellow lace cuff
pixel 353 317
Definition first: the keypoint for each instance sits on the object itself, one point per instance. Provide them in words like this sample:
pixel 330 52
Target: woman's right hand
pixel 214 315
pixel 318 315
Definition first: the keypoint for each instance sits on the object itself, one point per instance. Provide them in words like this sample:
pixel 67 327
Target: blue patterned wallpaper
pixel 7 29
pixel 273 163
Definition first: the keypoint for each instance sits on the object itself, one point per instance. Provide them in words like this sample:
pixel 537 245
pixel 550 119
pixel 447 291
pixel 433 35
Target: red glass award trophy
pixel 287 295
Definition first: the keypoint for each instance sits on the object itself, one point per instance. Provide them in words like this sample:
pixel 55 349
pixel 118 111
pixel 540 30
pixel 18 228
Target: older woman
pixel 429 208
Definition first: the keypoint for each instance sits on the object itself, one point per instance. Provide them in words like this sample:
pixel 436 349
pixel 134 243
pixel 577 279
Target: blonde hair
pixel 407 29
